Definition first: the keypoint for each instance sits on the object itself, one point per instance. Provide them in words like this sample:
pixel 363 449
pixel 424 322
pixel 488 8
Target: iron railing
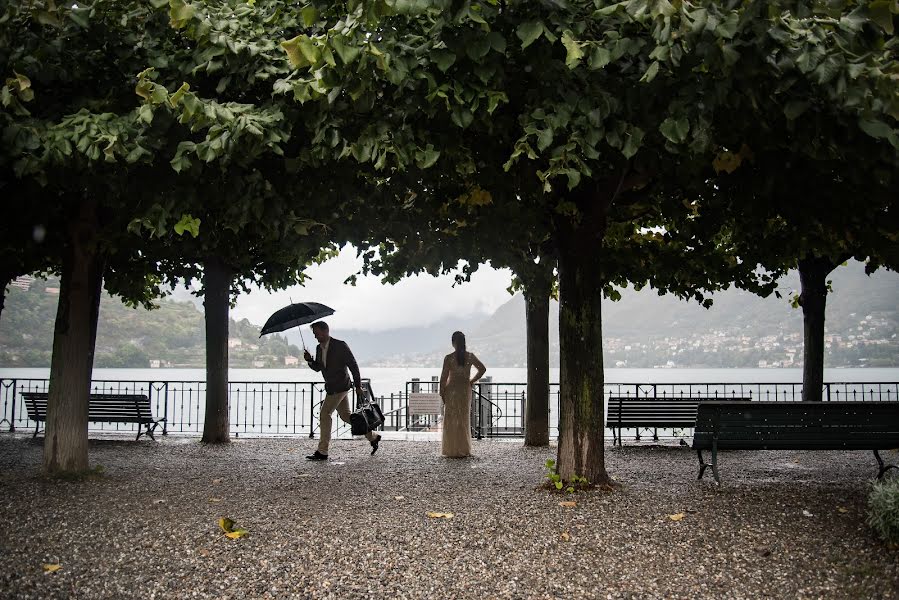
pixel 259 409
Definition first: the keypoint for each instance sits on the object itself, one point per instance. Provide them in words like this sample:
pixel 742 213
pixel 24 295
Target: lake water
pixel 385 381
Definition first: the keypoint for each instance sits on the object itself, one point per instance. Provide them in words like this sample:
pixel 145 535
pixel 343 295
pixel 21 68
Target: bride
pixel 455 389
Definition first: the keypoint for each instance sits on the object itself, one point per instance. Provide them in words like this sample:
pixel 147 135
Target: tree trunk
pixel 581 402
pixel 813 272
pixel 536 423
pixel 5 280
pixel 217 282
pixel 74 339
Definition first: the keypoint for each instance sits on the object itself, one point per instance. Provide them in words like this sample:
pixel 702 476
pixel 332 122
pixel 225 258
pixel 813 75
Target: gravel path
pixel 782 525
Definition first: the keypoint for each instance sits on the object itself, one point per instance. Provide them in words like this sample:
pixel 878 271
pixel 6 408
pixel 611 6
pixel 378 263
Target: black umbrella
pixel 298 313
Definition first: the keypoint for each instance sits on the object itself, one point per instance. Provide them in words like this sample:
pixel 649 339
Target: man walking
pixel 333 357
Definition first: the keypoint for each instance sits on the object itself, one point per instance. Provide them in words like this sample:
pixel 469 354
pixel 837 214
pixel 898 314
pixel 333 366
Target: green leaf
pixel 462 117
pixel 180 13
pixel 347 53
pixel 651 72
pixel 599 57
pixel 632 141
pixel 795 108
pixel 675 130
pixel 310 51
pixel 608 10
pixel 478 48
pixel 188 224
pixel 728 27
pixel 292 48
pixel 493 100
pixel 875 128
pixel 411 7
pixel 444 59
pixel 46 17
pixel 178 95
pixel 497 41
pixel 544 139
pixel 310 15
pixel 528 32
pixel 880 13
pixel 426 158
pixel 574 51
pixel 145 113
pixel 81 16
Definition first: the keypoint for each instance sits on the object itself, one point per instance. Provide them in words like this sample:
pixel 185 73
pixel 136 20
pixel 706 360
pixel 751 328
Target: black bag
pixel 366 418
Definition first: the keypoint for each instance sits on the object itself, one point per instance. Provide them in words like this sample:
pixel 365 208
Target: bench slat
pixel 102 408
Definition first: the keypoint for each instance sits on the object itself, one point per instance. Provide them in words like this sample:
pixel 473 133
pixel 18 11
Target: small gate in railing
pixel 259 409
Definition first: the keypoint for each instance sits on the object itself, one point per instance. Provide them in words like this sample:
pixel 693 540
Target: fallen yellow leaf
pixel 676 517
pixel 565 536
pixel 842 510
pixel 230 530
pixel 568 503
pixel 440 515
pixel 52 568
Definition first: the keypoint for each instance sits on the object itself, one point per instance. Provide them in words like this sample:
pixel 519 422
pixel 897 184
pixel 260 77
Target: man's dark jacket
pixel 340 358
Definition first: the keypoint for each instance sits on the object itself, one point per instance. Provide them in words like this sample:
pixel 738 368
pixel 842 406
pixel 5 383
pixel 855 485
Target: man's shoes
pixel 317 456
pixel 374 445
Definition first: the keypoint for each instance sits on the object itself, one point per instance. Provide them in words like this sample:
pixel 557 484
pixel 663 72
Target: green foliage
pixel 554 481
pixel 127 337
pixel 883 510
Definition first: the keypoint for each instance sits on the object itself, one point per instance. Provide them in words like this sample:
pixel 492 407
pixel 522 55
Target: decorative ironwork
pixel 260 409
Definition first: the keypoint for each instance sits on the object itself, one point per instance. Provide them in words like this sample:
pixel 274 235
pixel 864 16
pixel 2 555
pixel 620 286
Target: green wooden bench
pixel 653 412
pixel 102 408
pixel 795 426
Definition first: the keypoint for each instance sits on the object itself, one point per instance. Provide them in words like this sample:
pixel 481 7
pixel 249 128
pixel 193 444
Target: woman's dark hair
pixel 459 343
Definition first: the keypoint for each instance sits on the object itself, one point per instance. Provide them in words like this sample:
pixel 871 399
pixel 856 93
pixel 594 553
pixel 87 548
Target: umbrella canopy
pixel 296 314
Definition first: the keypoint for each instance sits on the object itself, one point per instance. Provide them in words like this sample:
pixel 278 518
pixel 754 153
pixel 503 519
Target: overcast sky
pixel 373 306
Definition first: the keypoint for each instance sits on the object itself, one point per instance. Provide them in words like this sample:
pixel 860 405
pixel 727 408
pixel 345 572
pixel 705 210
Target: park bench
pixel 102 408
pixel 632 412
pixel 795 426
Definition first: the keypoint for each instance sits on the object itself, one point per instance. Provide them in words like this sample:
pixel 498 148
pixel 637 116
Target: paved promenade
pixel 782 525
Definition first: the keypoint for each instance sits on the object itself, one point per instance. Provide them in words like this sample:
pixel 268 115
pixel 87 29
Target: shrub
pixel 883 509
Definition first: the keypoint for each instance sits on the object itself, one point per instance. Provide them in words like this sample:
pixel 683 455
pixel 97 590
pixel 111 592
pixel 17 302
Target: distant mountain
pixel 173 335
pixel 370 348
pixel 645 329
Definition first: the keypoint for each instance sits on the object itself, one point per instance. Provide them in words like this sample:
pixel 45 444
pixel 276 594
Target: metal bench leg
pixel 702 464
pixel 883 469
pixel 151 427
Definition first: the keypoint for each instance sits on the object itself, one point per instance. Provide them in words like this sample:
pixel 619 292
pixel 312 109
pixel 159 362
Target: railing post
pixel 485 390
pixel 311 411
pixel 12 420
pixel 165 410
pixel 408 415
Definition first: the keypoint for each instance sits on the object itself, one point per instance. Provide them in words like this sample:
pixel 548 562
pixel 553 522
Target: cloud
pixel 373 306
